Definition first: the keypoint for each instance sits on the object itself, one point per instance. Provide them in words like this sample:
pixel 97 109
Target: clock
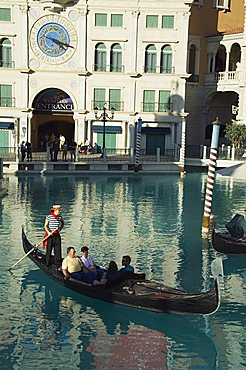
pixel 53 39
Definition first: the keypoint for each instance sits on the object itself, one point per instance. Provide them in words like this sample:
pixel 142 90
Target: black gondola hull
pixel 134 291
pixel 225 243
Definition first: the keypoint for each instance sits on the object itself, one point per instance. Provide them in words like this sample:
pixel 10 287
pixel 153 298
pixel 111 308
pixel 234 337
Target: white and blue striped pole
pixel 138 141
pixel 211 176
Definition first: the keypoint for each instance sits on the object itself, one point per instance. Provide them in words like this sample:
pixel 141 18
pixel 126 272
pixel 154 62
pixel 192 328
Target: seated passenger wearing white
pixel 89 265
pixel 126 260
pixel 72 266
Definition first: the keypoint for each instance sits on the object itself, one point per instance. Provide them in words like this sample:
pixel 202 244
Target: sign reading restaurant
pixel 53 100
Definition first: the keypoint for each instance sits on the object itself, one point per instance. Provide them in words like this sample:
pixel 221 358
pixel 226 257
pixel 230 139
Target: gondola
pixel 134 290
pixel 226 243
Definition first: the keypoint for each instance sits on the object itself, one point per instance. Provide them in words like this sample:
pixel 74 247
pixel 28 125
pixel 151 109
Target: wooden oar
pixel 31 250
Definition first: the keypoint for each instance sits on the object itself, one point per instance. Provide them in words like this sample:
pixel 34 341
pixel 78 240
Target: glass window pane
pixel 116 20
pixel 152 21
pixel 100 58
pixel 99 98
pixel 149 101
pixel 164 101
pixel 101 20
pixel 6 95
pixel 4 138
pixel 5 15
pixel 114 99
pixel 167 21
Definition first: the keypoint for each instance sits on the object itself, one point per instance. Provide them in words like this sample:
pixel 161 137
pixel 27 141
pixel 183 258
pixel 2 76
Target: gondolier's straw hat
pixel 56 206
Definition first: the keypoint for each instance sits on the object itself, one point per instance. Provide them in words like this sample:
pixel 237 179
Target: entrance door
pixel 110 140
pixel 153 142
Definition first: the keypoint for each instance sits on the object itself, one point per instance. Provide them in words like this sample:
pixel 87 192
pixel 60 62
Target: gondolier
pixel 53 225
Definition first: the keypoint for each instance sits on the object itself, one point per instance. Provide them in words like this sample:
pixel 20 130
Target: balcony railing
pixel 157 107
pixel 159 69
pixel 6 64
pixel 99 104
pixel 220 77
pixel 7 102
pixel 108 68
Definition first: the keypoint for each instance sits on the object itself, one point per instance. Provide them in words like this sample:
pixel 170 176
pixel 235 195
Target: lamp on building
pixel 104 117
pixel 23 131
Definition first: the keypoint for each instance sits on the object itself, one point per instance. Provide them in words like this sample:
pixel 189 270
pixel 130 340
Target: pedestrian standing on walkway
pixel 23 151
pixel 64 151
pixel 53 225
pixel 29 151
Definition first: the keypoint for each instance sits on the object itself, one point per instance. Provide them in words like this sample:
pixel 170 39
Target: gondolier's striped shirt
pixel 54 223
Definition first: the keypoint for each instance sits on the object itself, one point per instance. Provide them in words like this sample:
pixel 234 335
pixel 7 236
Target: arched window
pixel 220 60
pixel 150 59
pixel 166 59
pixel 100 57
pixel 235 57
pixel 192 60
pixel 116 58
pixel 5 53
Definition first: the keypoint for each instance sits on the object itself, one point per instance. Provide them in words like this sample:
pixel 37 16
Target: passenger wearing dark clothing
pixel 110 275
pixel 126 260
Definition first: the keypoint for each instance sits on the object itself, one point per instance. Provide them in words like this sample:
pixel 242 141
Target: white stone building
pixel 59 60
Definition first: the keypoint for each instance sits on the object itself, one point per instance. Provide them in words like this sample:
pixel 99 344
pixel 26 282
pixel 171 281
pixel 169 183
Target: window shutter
pixel 116 20
pixel 5 95
pixel 99 98
pixel 114 99
pixel 152 21
pixel 149 101
pixel 101 20
pixel 167 21
pixel 5 15
pixel 164 100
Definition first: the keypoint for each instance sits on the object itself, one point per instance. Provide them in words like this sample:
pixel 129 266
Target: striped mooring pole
pixel 211 176
pixel 182 148
pixel 138 141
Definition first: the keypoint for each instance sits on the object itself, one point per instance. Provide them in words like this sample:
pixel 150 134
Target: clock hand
pixel 60 43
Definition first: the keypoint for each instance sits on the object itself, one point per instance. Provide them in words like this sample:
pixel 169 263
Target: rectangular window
pixel 5 15
pixel 101 20
pixel 115 99
pixel 151 21
pixel 164 101
pixel 110 141
pixel 168 21
pixel 6 96
pixel 116 20
pixel 99 98
pixel 221 4
pixel 4 138
pixel 149 101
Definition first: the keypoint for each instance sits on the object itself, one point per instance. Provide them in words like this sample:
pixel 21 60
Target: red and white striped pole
pixel 211 176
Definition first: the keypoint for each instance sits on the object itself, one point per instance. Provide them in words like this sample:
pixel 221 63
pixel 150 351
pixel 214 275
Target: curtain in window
pixel 100 57
pixel 150 59
pixel 5 95
pixel 116 58
pixel 166 59
pixel 99 98
pixel 164 101
pixel 149 101
pixel 5 54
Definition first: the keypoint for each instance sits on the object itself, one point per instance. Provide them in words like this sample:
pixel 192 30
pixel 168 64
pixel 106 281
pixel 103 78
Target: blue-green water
pixel 155 219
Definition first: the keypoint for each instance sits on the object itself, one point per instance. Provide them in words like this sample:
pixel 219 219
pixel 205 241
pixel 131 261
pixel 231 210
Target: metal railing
pixel 8 153
pixel 157 107
pixel 6 64
pixel 108 68
pixel 7 102
pixel 100 104
pixel 159 69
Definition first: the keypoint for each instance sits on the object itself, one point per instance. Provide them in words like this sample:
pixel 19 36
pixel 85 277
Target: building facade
pixel 216 60
pixel 60 60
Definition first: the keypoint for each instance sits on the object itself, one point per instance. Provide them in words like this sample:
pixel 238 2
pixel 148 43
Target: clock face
pixel 53 39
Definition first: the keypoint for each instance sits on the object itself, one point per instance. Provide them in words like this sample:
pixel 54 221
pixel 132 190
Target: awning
pixel 7 125
pixel 108 129
pixel 156 130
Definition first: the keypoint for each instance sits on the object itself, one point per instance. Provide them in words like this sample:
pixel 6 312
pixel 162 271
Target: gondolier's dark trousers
pixel 54 242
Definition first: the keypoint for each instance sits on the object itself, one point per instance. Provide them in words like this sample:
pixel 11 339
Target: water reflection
pixel 106 336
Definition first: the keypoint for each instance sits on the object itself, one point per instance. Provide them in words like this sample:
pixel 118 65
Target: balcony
pixel 117 105
pixel 7 102
pixel 6 64
pixel 159 69
pixel 157 107
pixel 108 68
pixel 225 78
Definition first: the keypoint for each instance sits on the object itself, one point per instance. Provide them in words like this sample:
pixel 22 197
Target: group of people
pixel 87 148
pixel 81 268
pixel 54 144
pixel 26 150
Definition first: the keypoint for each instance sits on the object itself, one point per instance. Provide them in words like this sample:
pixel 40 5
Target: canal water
pixel 155 219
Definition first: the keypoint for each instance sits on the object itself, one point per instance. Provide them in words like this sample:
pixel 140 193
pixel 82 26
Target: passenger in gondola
pixel 109 276
pixel 93 272
pixel 126 260
pixel 73 267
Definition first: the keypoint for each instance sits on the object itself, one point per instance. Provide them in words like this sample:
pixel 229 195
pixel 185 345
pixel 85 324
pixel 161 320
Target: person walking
pixel 53 225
